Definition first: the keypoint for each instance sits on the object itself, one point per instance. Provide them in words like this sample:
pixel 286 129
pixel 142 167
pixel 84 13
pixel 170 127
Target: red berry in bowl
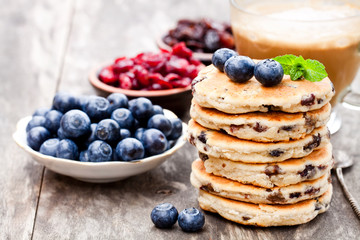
pixel 122 65
pixel 107 75
pixel 125 81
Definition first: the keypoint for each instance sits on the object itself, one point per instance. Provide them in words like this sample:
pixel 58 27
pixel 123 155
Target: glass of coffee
pixel 324 30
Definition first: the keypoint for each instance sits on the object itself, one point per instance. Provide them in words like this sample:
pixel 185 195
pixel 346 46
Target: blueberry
pixel 164 215
pixel 160 122
pixel 99 151
pixel 67 149
pixel 97 108
pixel 36 121
pixel 50 146
pixel 36 136
pixel 52 120
pixel 108 130
pixel 154 141
pixel 239 68
pixel 64 102
pixel 60 133
pixel 139 133
pixel 84 157
pixel 191 220
pixel 141 109
pixel 129 149
pixel 220 56
pixel 117 100
pixel 92 136
pixel 176 131
pixel 41 111
pixel 123 117
pixel 269 72
pixel 75 123
pixel 157 109
pixel 125 133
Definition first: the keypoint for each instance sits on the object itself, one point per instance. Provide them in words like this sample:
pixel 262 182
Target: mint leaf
pixel 299 68
pixel 286 61
pixel 315 71
pixel 297 71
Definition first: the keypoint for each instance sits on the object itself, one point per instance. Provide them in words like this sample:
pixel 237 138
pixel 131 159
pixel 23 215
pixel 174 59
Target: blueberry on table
pixel 239 68
pixel 160 122
pixel 75 123
pixel 129 149
pixel 97 108
pixel 50 146
pixel 141 108
pixel 269 72
pixel 117 100
pixel 99 151
pixel 64 102
pixel 36 121
pixel 123 117
pixel 42 111
pixel 164 215
pixel 52 120
pixel 154 141
pixel 125 133
pixel 176 131
pixel 36 136
pixel 191 220
pixel 220 56
pixel 67 149
pixel 108 130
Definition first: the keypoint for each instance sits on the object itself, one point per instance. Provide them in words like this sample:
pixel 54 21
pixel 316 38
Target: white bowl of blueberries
pixel 97 139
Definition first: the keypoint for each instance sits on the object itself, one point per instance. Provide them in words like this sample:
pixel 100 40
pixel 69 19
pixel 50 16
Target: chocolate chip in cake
pixel 276 197
pixel 312 191
pixel 192 139
pixel 309 121
pixel 202 137
pixel 234 128
pixel 308 169
pixel 287 128
pixel 203 156
pixel 223 165
pixel 259 128
pixel 322 167
pixel 314 143
pixel 308 100
pixel 295 195
pixel 319 100
pixel 271 170
pixel 276 152
pixel 208 188
pixel 269 190
pixel 246 218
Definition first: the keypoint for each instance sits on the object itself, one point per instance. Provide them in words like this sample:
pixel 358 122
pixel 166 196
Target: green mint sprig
pixel 299 68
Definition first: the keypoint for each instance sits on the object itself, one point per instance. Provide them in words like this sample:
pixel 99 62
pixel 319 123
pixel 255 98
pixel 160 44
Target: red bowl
pixel 176 99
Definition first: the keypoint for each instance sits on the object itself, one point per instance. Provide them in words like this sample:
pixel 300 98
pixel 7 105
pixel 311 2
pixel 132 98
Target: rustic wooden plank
pixel 70 209
pixel 32 37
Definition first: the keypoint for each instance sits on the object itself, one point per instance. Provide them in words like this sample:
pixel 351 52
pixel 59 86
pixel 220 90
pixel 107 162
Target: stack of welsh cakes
pixel 264 152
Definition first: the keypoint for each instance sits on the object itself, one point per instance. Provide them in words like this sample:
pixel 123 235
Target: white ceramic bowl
pixel 95 172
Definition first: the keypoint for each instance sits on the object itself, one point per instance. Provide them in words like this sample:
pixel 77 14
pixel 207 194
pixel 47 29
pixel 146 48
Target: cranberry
pixel 141 74
pixel 172 76
pixel 181 50
pixel 122 65
pixel 177 65
pixel 181 83
pixel 125 81
pixel 107 75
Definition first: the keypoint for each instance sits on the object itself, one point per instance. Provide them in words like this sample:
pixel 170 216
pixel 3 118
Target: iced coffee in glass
pixel 327 31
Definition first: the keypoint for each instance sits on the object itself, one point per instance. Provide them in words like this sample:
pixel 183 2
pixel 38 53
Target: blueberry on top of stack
pixel 97 129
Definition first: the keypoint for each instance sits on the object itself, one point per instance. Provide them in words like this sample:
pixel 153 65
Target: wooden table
pixel 47 46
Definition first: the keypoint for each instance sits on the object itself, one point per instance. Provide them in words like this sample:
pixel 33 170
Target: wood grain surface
pixel 46 46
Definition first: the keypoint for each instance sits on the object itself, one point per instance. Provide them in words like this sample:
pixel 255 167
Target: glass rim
pixel 244 10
